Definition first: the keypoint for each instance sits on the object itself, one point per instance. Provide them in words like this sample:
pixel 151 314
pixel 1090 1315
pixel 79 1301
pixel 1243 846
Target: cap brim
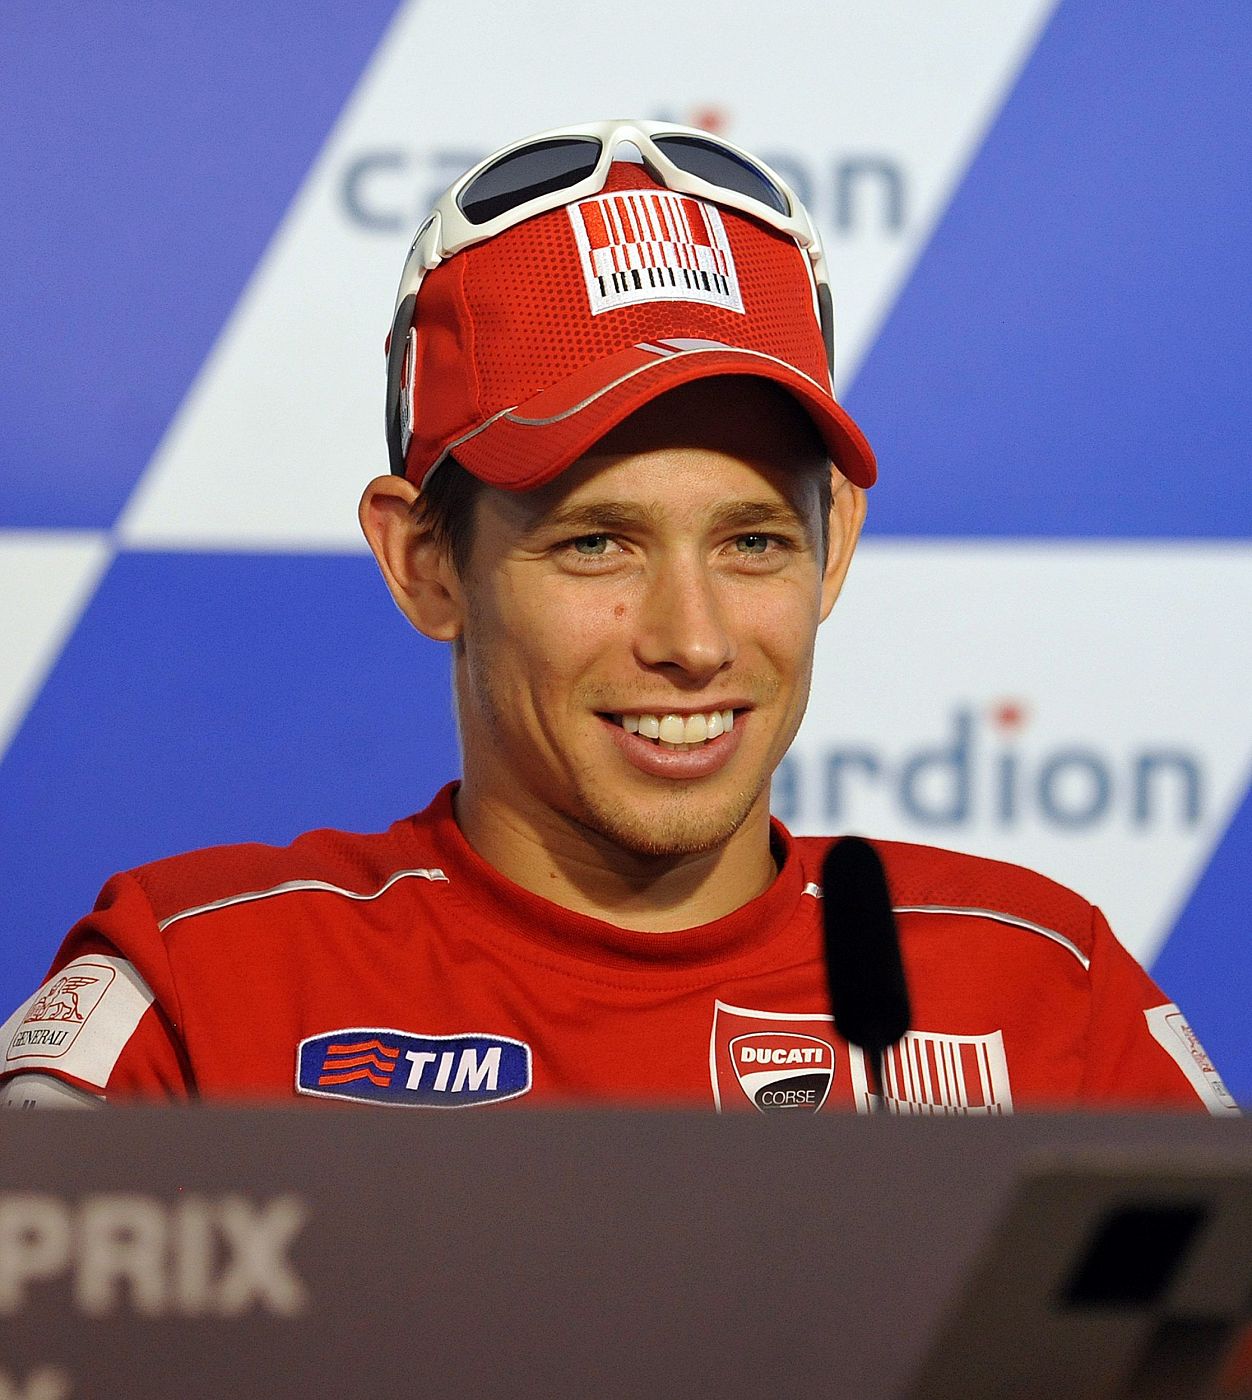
pixel 528 445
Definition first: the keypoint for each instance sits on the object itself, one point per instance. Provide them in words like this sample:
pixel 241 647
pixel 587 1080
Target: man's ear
pixel 416 566
pixel 847 515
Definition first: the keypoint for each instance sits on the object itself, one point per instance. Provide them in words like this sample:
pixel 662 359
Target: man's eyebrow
pixel 596 517
pixel 606 517
pixel 756 515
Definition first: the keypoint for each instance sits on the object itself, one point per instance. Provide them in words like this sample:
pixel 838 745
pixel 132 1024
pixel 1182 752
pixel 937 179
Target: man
pixel 623 493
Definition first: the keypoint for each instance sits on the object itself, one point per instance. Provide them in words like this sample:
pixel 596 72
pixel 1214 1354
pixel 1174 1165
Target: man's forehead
pixel 659 486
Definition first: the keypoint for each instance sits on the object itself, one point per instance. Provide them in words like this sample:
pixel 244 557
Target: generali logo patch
pixel 61 1010
pixel 1174 1035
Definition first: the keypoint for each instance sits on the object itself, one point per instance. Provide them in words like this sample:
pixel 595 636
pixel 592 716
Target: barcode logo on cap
pixel 651 245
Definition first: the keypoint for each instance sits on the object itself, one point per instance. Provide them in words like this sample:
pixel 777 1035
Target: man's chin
pixel 672 830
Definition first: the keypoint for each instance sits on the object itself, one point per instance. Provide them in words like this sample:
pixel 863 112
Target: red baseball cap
pixel 530 346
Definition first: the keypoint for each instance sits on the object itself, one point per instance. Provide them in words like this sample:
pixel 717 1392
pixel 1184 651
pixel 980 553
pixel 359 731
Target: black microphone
pixel 868 993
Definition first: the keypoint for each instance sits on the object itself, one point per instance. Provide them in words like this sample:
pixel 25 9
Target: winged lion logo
pixel 60 1001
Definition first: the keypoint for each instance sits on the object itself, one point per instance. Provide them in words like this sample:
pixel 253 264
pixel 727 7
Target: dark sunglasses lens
pixel 719 166
pixel 525 174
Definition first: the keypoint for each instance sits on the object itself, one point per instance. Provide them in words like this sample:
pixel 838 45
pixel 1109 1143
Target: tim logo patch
pixel 60 1011
pixel 651 245
pixel 371 1065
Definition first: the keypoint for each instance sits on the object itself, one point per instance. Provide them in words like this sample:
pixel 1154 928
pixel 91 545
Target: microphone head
pixel 868 992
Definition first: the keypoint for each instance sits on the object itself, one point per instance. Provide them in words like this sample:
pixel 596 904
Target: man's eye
pixel 591 544
pixel 753 544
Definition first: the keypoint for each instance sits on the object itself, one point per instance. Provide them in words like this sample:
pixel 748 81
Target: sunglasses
pixel 556 168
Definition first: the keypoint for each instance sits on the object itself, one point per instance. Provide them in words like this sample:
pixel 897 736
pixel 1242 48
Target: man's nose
pixel 683 625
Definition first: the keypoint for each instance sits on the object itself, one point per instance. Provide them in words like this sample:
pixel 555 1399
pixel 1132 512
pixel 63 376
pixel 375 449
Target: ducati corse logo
pixel 783 1072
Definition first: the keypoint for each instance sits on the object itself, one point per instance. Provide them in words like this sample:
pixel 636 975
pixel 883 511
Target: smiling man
pixel 633 646
pixel 623 493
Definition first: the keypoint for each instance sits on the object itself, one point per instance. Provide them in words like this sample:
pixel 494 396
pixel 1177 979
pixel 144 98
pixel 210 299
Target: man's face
pixel 674 577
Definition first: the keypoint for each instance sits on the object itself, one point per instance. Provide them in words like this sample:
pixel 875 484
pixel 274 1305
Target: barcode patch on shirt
pixel 652 245
pixel 929 1072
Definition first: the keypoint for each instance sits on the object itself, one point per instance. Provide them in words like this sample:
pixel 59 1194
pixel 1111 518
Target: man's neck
pixel 580 870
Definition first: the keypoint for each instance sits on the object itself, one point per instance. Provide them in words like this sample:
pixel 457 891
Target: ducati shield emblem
pixel 781 1072
pixel 781 1062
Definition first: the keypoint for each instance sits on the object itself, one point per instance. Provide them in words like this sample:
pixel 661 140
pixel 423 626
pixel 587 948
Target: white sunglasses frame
pixel 446 230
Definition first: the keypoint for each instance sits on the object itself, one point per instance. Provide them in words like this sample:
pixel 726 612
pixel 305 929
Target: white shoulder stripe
pixel 1012 919
pixel 294 887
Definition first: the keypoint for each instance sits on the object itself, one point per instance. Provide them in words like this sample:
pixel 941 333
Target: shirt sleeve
pixel 1141 1051
pixel 106 1018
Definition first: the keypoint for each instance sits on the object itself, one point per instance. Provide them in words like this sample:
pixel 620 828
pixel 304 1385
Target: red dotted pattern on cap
pixel 506 319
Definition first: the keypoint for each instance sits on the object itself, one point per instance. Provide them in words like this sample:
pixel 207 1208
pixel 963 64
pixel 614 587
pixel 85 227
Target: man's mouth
pixel 681 732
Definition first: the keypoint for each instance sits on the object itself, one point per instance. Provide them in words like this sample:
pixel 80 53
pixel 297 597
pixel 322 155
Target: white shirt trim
pixel 1012 920
pixel 295 887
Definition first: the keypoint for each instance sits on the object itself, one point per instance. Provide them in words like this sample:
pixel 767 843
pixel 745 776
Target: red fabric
pixel 504 321
pixel 523 450
pixel 593 222
pixel 610 1015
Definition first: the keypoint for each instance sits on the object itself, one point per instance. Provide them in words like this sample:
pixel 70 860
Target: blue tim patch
pixel 373 1065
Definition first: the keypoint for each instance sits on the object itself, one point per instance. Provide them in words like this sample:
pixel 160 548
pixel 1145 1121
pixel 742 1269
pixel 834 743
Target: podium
pixel 231 1252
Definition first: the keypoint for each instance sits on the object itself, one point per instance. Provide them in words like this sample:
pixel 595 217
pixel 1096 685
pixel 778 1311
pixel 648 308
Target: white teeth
pixel 672 729
pixel 678 731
